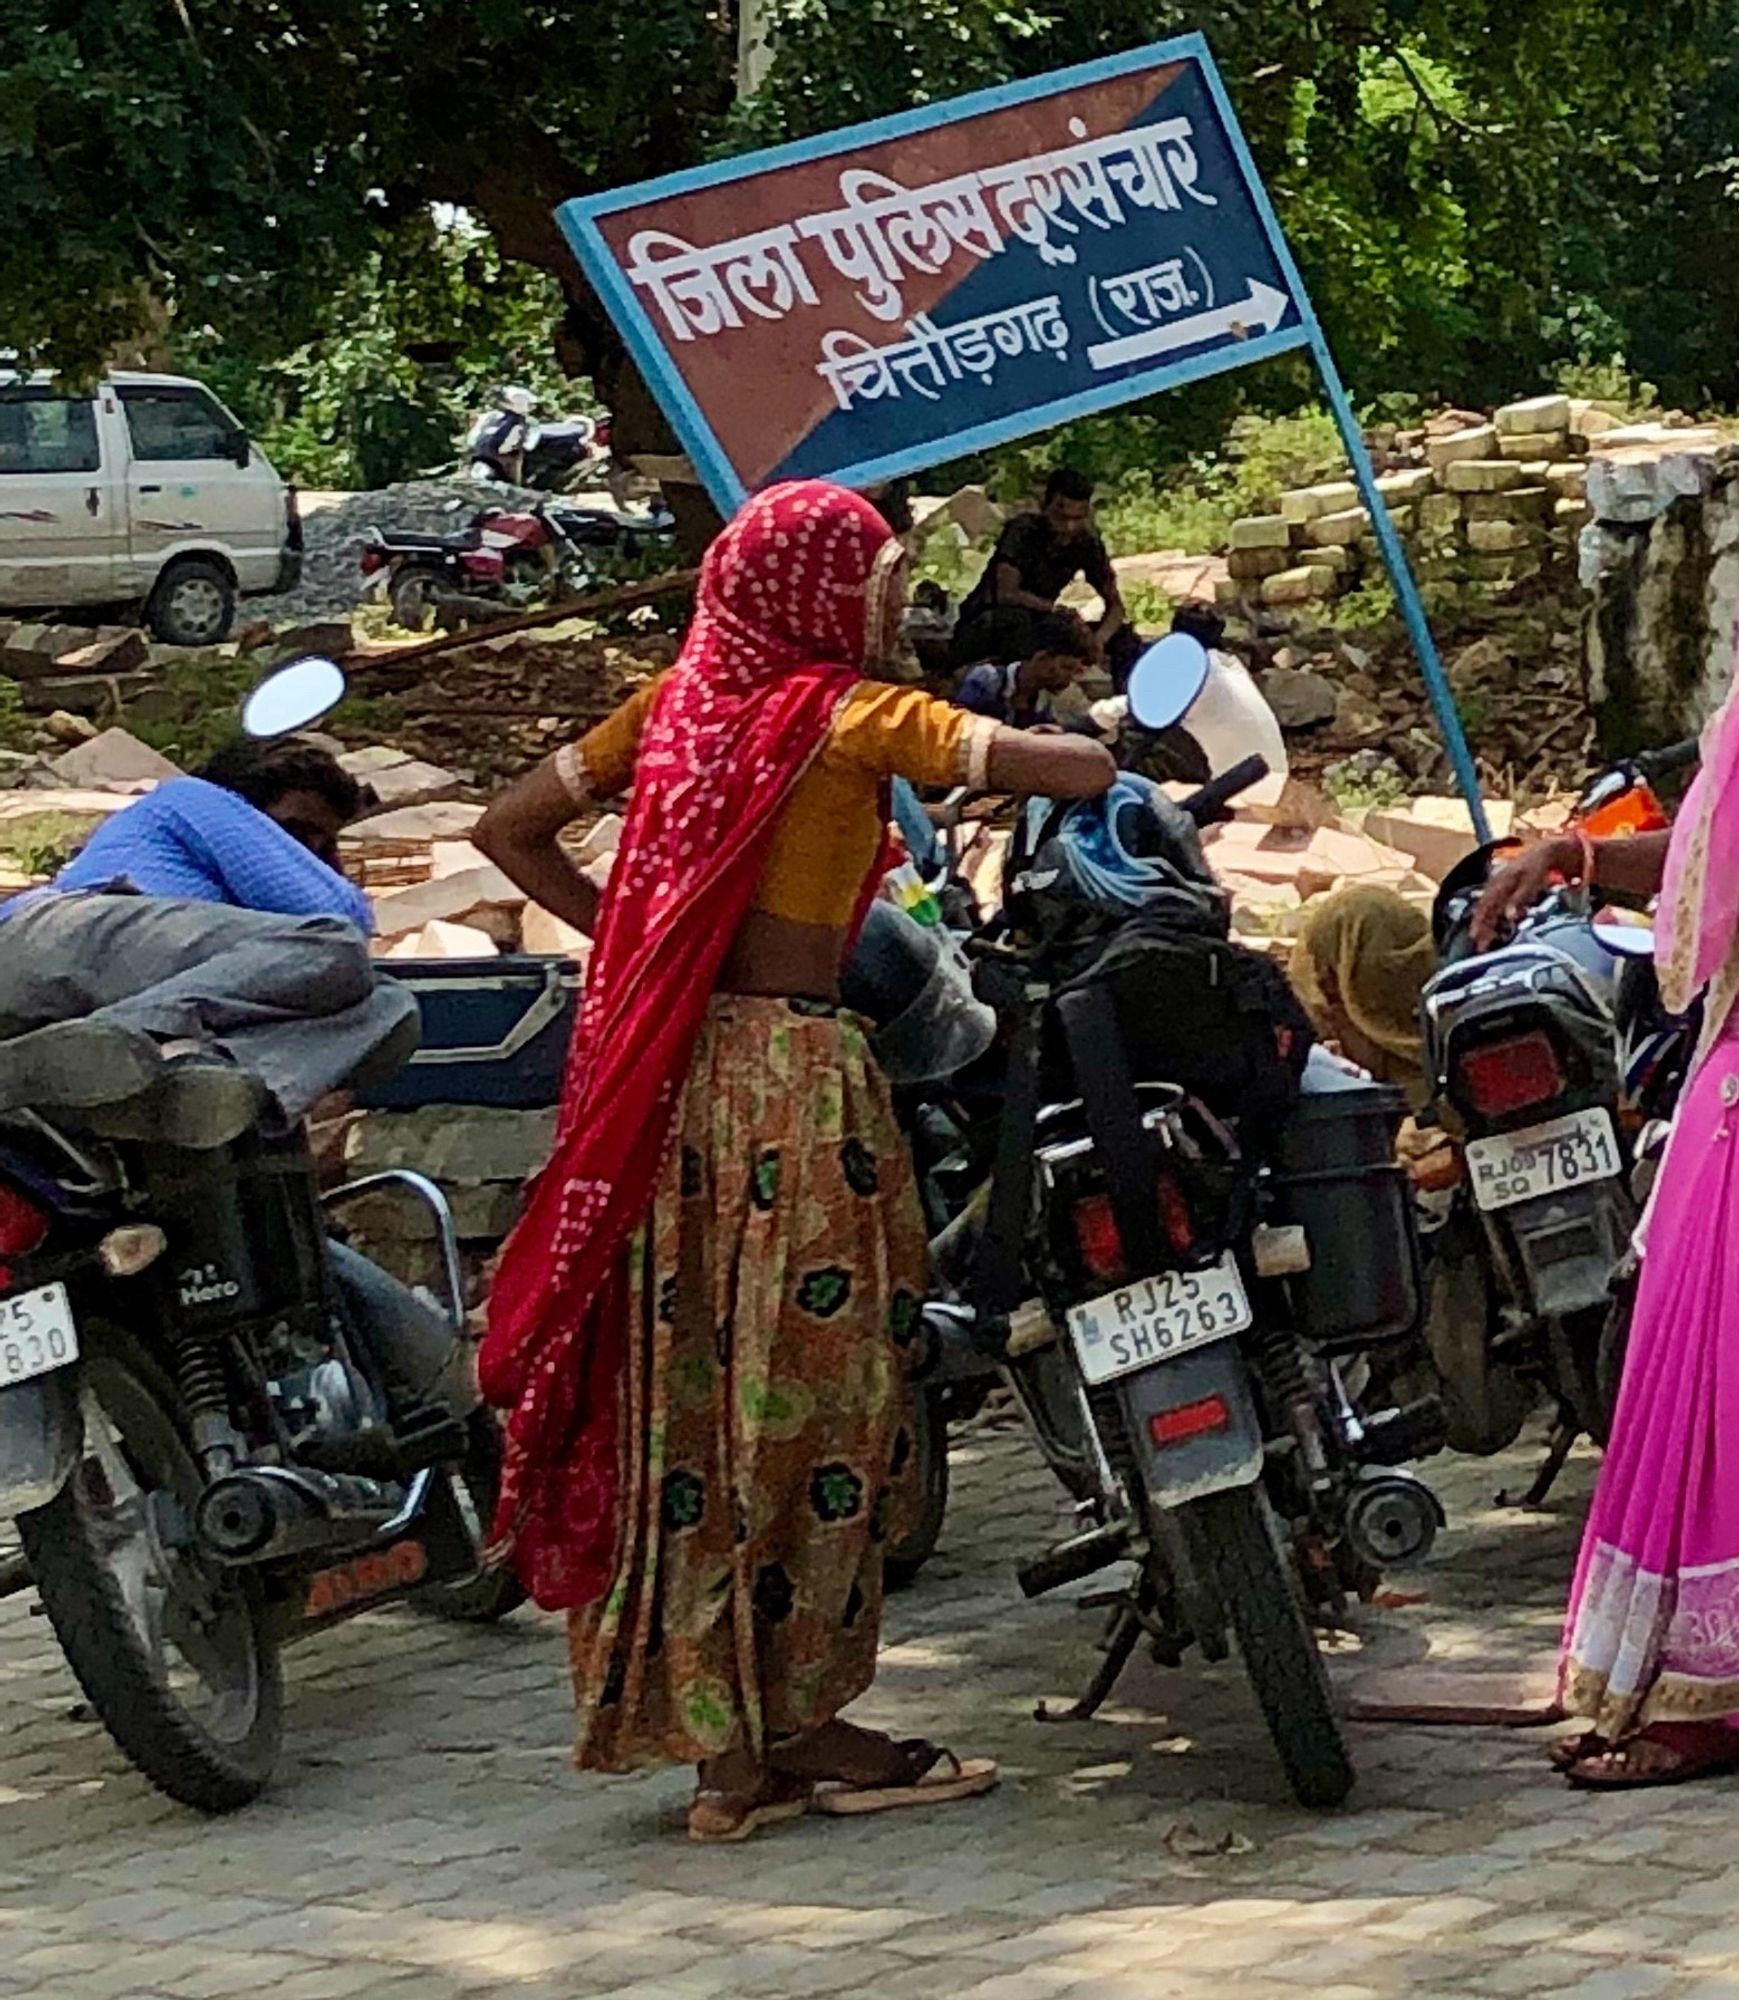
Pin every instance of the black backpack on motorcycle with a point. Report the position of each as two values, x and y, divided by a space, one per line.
1197 1010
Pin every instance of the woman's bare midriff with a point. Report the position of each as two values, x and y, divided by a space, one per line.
777 959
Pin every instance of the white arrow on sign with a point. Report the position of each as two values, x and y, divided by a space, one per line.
1260 312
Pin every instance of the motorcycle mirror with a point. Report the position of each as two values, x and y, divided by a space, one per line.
295 697
1165 681
1624 940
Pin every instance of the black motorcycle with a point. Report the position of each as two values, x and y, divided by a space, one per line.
1544 1055
1183 1257
222 1429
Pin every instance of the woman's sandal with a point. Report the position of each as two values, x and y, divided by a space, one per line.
1675 1754
719 1818
924 1782
1569 1751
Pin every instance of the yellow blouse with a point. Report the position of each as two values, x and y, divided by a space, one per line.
829 834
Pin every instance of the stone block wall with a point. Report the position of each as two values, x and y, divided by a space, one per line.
1473 501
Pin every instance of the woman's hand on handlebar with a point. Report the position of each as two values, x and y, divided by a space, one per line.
1516 886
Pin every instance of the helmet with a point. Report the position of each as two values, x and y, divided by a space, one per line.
1130 850
916 991
520 401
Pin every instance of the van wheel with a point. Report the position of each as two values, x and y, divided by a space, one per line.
193 604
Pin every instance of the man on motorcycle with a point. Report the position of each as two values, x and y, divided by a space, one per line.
202 948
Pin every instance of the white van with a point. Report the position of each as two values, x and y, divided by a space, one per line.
144 490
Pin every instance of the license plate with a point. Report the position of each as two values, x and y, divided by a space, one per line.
37 1334
1157 1319
1545 1159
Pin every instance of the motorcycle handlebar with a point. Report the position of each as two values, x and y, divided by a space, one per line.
1657 763
1214 796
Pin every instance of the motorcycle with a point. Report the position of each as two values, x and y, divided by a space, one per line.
514 559
221 1429
1528 1064
506 445
1183 1294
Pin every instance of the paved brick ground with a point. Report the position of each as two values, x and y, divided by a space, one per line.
427 1840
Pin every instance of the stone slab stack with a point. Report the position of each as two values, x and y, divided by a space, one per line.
1493 502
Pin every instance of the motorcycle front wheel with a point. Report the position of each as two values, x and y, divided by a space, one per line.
1238 1544
174 1652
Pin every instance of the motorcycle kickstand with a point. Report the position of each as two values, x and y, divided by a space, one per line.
1564 1435
1124 1637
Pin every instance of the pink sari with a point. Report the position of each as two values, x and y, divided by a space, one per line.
1652 1633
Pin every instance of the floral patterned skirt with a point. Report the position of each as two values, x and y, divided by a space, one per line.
774 1297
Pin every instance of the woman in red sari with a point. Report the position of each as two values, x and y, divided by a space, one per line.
700 1328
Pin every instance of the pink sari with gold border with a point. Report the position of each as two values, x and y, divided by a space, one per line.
1652 1633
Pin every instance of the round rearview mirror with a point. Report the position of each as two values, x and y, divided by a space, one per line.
1624 940
1165 681
295 697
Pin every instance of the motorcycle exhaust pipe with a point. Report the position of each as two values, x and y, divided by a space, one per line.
1392 1519
1069 1562
265 1513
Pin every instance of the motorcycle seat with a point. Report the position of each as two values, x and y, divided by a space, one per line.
466 538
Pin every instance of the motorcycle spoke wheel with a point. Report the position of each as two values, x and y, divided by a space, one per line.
173 1652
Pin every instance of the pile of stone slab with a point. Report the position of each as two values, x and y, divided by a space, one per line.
1487 502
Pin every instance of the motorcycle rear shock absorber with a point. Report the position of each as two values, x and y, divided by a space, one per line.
203 1379
1280 1362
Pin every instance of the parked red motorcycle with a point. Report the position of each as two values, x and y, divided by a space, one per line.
514 558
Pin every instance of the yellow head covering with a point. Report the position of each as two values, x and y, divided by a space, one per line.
1372 950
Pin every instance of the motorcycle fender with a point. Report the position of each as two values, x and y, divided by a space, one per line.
41 1435
1567 1245
1192 1424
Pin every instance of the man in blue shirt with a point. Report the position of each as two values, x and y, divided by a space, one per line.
202 947
1060 650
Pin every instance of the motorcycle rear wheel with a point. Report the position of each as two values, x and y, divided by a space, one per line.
174 1653
1237 1538
413 596
908 1556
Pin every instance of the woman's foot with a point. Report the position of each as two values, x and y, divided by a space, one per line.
737 1798
863 1771
1569 1751
1666 1753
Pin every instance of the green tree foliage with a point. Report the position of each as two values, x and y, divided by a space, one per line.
420 334
1480 191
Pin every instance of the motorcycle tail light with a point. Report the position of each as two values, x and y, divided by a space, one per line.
1175 1217
1189 1420
370 560
22 1224
1097 1235
1500 1077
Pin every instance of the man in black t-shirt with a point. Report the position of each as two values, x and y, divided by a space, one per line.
1037 557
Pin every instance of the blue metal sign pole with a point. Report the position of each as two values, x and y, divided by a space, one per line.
1406 590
